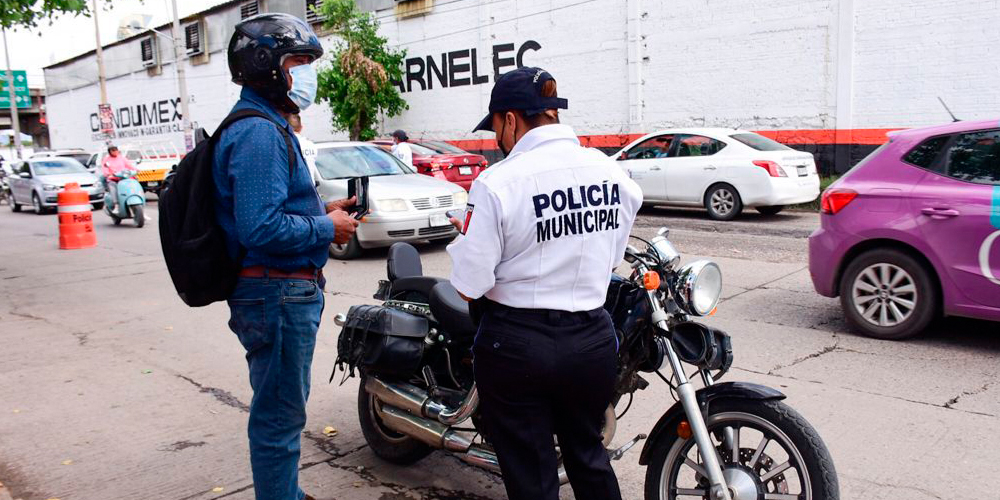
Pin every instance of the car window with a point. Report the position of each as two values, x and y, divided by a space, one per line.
421 150
697 145
80 157
654 147
444 147
25 168
356 161
975 157
57 166
924 154
759 142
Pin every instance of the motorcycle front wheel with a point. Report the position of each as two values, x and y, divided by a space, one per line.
138 216
767 451
386 443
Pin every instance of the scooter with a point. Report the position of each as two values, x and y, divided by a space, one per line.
131 200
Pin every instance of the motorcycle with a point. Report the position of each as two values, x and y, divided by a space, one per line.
131 200
5 194
724 441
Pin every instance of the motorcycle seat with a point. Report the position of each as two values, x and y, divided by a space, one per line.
403 262
451 311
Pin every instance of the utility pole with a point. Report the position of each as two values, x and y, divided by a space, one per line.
15 121
100 55
180 57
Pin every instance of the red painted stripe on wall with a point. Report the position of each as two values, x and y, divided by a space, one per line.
868 136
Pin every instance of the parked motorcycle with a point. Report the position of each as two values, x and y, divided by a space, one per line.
131 200
725 441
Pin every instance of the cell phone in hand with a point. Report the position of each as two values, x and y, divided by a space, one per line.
455 214
358 187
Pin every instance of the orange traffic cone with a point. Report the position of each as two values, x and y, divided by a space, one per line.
76 223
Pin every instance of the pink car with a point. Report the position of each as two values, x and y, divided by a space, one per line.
913 231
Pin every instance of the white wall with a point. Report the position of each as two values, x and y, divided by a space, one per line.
759 64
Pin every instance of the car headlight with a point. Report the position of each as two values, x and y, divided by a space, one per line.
50 187
460 198
698 287
391 205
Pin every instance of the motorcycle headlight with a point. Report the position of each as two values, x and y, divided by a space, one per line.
698 287
460 198
391 205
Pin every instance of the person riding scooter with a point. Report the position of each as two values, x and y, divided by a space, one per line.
113 164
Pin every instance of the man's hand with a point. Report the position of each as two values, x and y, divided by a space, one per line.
344 226
341 204
455 222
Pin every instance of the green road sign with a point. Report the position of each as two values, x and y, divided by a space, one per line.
20 90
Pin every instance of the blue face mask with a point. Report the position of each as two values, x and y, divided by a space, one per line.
304 85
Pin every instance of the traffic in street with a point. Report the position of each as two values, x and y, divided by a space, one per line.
112 388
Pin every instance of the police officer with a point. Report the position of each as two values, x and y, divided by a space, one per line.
543 231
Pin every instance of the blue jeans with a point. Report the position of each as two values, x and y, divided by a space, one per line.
276 321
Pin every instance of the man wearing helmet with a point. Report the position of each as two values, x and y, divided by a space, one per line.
278 228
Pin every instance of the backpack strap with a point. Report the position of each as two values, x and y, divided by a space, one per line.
238 115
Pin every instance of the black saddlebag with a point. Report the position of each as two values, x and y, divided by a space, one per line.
381 340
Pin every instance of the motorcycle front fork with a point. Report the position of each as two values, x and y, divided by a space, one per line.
686 392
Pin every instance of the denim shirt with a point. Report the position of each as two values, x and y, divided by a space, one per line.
279 219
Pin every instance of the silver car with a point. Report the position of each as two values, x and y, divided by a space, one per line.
37 181
405 206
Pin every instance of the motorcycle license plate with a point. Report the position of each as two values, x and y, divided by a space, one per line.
439 220
154 184
464 170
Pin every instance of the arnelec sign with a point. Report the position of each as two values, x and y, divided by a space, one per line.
459 68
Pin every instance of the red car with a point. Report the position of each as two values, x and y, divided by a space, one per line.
444 161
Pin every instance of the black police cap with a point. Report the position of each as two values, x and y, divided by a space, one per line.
521 90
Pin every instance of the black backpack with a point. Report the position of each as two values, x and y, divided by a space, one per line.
194 245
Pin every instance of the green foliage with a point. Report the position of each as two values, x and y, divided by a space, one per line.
357 83
27 13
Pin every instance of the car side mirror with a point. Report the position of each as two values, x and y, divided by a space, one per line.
622 156
25 175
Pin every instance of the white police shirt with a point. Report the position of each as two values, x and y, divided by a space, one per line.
404 153
545 227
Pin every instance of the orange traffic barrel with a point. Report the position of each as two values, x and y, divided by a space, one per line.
76 223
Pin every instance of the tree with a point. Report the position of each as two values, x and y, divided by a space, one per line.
358 83
27 13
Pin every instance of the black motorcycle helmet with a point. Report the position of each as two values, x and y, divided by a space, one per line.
259 45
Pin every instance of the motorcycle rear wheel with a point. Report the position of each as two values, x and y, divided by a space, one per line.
780 457
387 444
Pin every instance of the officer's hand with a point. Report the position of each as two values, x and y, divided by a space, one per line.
344 226
341 204
455 222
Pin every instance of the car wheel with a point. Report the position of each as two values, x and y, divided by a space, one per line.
99 205
348 251
771 210
723 202
888 294
36 202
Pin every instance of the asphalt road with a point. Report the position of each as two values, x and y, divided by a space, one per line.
111 388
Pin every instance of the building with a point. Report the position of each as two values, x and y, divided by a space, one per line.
827 76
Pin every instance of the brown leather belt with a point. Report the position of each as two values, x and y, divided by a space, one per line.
306 273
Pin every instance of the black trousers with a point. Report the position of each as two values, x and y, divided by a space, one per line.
542 373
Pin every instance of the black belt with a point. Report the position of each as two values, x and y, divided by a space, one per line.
544 315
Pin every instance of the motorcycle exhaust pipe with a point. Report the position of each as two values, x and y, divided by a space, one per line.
429 432
442 437
416 401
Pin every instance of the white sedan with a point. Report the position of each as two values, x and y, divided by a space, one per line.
724 170
404 205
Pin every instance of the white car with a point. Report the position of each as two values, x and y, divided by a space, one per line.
724 170
405 205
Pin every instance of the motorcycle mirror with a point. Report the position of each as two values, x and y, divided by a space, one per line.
663 232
